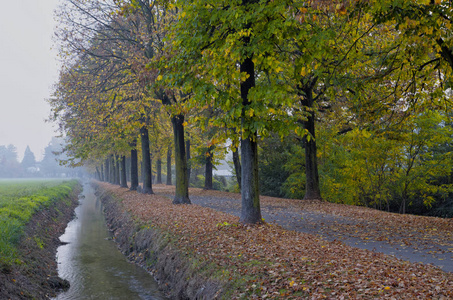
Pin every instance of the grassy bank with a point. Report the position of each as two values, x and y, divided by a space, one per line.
19 201
191 249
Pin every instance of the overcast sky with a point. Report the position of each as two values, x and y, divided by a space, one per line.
28 68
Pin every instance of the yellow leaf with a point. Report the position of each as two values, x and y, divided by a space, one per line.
291 283
159 78
387 288
303 71
184 124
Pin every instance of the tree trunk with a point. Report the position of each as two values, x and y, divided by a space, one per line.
169 165
251 212
142 174
117 170
102 173
188 159
107 170
134 166
123 172
98 174
112 169
128 169
208 173
159 171
146 170
237 166
182 182
312 190
151 167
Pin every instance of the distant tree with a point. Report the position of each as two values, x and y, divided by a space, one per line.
29 161
49 166
9 166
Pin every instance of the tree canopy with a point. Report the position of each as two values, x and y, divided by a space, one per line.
361 89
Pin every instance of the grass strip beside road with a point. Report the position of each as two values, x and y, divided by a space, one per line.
267 261
19 200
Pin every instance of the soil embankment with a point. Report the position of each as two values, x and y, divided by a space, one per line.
152 248
36 276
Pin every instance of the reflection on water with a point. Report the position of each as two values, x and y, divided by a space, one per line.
92 263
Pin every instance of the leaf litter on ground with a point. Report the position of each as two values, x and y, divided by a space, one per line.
267 261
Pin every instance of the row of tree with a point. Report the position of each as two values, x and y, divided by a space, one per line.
372 76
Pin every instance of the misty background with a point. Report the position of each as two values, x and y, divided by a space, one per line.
28 69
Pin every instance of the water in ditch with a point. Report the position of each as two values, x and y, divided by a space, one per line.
91 262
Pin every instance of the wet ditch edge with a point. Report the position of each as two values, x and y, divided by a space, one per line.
157 252
36 277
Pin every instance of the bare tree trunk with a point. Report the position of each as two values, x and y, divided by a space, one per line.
123 172
312 190
237 166
169 165
134 166
117 169
159 171
208 169
128 169
146 159
112 169
98 173
251 211
182 182
107 170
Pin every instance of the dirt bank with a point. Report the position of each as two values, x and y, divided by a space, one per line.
155 251
35 276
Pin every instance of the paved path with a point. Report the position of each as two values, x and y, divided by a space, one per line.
354 232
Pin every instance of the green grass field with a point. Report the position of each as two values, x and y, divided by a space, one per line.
19 200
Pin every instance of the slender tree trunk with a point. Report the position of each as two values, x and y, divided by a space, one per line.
98 173
147 184
102 173
169 165
208 169
182 182
251 212
107 170
312 190
112 169
123 172
188 159
117 170
142 174
159 171
128 169
151 168
134 166
237 166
